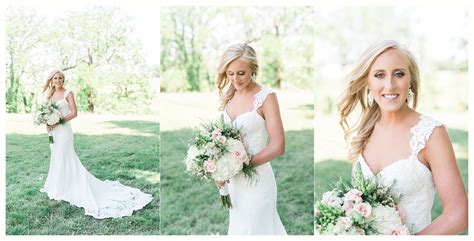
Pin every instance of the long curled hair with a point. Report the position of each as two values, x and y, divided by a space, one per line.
241 51
48 87
355 95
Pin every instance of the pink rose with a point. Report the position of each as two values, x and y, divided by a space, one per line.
221 139
216 133
239 155
363 209
402 230
348 205
353 195
210 166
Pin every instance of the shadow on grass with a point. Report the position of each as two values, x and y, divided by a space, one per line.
124 158
147 127
193 207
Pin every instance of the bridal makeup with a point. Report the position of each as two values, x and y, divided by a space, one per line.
389 80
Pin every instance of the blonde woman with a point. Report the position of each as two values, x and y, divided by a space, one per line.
403 147
254 109
68 179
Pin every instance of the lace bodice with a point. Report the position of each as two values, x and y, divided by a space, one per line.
251 123
63 104
410 178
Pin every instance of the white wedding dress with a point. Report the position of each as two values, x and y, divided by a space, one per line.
68 179
410 178
254 204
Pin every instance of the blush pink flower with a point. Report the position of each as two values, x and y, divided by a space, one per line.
363 209
353 195
401 230
216 133
209 166
221 139
241 156
348 206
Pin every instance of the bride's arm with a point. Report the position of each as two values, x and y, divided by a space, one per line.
440 156
72 107
276 134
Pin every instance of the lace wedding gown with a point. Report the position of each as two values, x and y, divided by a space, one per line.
254 204
410 178
69 180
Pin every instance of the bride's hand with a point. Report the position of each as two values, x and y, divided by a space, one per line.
221 184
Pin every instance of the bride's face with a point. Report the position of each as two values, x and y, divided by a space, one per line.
239 73
58 80
389 80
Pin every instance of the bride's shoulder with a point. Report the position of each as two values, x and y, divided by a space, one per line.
263 94
431 131
426 123
68 92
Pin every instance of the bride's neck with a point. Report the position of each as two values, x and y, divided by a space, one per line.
249 89
396 117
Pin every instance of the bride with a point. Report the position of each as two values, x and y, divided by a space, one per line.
69 180
254 109
391 140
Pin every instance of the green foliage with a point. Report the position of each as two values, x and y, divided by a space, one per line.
193 38
175 81
130 159
96 48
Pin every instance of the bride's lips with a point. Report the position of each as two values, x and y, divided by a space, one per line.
390 96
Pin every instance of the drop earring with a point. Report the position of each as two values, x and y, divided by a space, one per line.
254 77
370 98
410 95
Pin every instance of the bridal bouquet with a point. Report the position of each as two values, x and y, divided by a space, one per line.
363 207
48 113
217 153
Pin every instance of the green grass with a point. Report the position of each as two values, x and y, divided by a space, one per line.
192 207
131 159
328 171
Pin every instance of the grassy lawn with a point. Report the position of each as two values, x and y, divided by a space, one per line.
113 148
330 162
191 207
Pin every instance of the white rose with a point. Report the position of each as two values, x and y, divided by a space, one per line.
229 164
211 149
330 198
52 119
386 218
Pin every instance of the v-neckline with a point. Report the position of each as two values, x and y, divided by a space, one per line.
420 117
64 97
237 117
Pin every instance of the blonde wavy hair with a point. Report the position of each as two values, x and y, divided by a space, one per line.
355 95
48 87
241 51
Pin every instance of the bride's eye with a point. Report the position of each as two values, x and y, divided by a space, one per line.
379 75
399 74
241 73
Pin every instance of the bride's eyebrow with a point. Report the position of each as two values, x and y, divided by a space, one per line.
229 71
